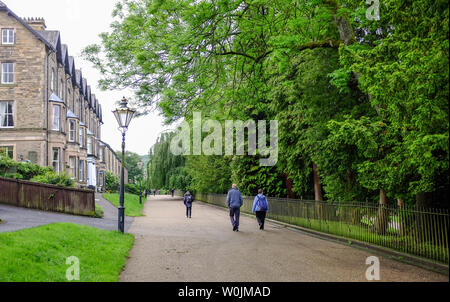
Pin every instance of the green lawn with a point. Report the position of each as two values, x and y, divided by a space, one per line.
39 254
132 206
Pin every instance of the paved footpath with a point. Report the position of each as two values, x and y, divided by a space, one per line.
171 248
16 218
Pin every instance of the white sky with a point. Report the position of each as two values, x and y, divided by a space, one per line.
80 22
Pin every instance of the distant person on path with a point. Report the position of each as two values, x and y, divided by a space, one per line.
154 192
188 199
159 192
173 191
260 207
235 202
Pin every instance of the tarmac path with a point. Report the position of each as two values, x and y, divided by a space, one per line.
172 248
17 218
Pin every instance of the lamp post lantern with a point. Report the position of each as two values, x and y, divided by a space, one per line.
123 116
140 164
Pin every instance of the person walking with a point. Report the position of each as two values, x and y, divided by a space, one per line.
173 191
260 207
188 199
235 202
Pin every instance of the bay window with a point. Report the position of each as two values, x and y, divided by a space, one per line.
56 160
56 118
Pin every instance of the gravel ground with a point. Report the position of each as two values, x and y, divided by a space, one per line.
171 248
15 218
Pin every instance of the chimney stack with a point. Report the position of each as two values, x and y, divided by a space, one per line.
36 23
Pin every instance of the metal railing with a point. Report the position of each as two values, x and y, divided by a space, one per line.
420 232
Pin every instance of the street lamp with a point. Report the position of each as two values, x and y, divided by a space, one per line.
140 164
123 116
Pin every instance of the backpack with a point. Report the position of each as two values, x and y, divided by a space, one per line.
189 199
262 205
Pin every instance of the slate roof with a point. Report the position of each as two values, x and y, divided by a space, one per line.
3 7
70 114
89 95
55 98
78 78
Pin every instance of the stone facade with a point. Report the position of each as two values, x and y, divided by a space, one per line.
48 113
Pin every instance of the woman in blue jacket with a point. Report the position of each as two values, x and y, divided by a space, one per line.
260 207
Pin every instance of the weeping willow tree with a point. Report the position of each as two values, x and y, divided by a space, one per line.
165 170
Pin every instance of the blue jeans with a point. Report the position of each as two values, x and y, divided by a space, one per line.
188 211
235 213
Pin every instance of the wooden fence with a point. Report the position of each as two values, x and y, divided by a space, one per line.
47 197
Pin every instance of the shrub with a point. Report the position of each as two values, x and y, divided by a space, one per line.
112 182
18 170
52 178
132 188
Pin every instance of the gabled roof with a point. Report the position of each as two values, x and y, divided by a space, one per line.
72 70
65 57
3 7
84 88
101 113
54 38
88 95
78 78
94 103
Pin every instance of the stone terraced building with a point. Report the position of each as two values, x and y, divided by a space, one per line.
49 115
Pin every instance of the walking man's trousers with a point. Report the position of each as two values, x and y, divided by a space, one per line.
235 213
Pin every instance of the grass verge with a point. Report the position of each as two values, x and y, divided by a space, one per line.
99 212
132 206
40 254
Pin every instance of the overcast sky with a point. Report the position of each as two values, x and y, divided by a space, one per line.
80 22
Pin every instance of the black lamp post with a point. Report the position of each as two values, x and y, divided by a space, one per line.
140 164
123 116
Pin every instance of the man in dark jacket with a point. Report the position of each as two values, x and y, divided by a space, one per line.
188 199
235 202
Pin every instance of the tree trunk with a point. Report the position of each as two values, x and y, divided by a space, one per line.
317 186
381 223
317 193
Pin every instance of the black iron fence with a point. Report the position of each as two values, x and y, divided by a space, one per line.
420 232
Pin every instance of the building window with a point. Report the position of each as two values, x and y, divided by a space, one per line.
81 137
72 130
6 114
7 73
7 150
33 157
56 160
56 119
81 170
89 145
72 163
61 91
8 36
101 154
52 81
